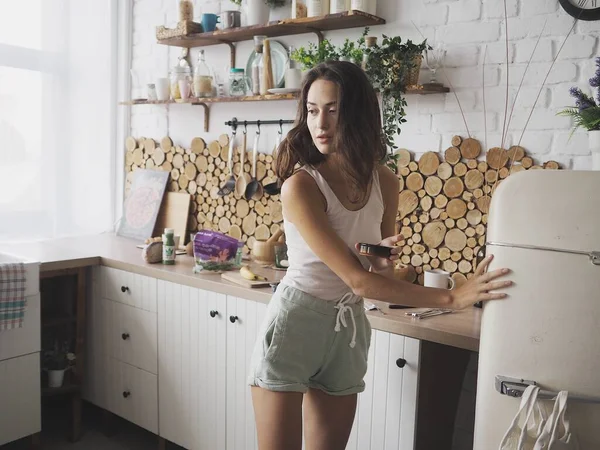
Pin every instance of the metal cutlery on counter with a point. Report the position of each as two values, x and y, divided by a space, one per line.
428 313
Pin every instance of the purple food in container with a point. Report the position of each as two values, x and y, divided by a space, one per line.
214 251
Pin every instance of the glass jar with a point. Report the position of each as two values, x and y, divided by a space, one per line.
257 64
237 82
181 71
186 10
203 79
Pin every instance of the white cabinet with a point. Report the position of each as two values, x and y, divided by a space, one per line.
205 343
122 362
386 412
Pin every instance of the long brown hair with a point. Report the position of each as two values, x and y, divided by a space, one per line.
358 138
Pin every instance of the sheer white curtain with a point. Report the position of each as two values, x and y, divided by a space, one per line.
58 113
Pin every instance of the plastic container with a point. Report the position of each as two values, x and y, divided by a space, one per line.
214 251
237 82
168 255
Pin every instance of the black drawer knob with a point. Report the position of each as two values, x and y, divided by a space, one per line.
125 336
214 313
233 319
124 288
126 394
401 362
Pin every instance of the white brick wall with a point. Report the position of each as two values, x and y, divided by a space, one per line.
466 26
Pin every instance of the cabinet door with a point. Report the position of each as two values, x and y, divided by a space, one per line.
20 406
98 337
386 412
191 347
129 288
243 321
133 337
133 394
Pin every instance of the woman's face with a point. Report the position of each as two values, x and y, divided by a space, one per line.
322 106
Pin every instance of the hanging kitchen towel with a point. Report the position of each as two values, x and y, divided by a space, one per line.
527 423
557 434
12 295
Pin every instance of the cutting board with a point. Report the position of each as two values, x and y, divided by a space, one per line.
235 277
173 213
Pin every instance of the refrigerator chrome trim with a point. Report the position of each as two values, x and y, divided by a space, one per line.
593 255
514 387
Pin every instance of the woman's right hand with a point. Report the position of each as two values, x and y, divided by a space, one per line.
477 288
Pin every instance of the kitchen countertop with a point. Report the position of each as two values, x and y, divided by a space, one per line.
460 329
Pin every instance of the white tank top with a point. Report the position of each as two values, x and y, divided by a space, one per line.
306 271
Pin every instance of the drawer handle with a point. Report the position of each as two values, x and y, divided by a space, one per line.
126 394
125 336
214 313
233 319
401 362
124 289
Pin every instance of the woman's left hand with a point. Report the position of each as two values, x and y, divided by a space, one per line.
379 264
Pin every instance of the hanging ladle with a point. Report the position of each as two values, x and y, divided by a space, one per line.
254 190
274 188
243 177
229 185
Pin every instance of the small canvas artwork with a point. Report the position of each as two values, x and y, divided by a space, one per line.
141 206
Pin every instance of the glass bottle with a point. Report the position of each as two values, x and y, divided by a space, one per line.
168 256
370 41
203 79
257 64
181 71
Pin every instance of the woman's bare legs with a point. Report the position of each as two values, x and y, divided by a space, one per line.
278 418
328 420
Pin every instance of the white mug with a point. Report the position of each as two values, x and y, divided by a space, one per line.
162 89
438 278
293 78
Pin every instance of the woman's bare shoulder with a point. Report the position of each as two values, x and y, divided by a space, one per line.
387 178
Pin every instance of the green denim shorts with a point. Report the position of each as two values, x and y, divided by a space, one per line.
305 342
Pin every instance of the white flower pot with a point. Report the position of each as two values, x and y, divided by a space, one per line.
257 12
55 378
594 143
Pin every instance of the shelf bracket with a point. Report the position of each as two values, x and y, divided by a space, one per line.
319 34
206 114
231 54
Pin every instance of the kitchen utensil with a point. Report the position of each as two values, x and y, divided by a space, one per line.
254 190
279 61
243 177
274 188
231 19
263 252
428 313
229 185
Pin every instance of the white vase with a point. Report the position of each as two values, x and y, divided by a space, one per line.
55 378
257 12
594 143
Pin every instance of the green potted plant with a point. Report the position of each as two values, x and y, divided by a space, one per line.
315 54
586 115
391 67
56 362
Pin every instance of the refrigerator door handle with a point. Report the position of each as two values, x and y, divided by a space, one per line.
593 255
514 387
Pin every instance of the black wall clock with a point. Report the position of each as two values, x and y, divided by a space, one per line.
582 9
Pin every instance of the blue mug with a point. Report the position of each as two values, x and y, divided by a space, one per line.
209 22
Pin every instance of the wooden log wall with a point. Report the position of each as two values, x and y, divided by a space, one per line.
443 200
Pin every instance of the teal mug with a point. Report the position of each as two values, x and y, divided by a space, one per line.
209 22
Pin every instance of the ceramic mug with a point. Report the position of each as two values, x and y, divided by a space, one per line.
438 278
231 19
209 22
162 89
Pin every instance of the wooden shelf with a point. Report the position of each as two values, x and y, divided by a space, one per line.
417 89
287 27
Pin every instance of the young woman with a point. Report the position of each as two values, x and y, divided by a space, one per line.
312 350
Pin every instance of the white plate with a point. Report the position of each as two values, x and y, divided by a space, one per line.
279 58
283 91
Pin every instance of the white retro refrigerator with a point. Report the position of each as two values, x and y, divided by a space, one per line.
545 226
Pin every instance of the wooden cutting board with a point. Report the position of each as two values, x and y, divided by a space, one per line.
235 277
173 213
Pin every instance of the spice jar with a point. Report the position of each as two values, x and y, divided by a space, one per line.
181 71
237 82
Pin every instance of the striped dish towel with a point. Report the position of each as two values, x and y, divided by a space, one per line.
12 295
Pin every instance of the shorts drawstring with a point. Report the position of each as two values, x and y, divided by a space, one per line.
342 307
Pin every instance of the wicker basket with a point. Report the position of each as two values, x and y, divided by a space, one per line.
412 76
